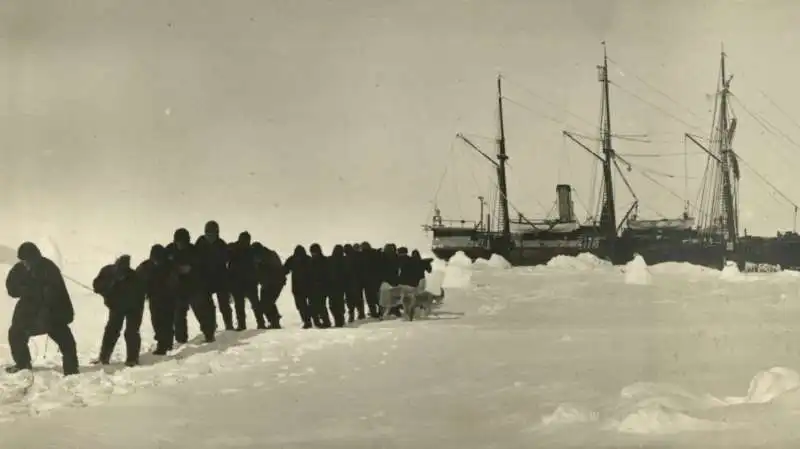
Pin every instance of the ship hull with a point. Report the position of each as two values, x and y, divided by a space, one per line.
687 246
783 250
530 248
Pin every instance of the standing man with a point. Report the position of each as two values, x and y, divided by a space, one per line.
272 279
123 293
213 256
190 291
160 282
44 307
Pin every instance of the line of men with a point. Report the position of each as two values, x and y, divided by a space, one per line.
182 276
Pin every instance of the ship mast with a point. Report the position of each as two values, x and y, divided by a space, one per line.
725 132
501 170
608 219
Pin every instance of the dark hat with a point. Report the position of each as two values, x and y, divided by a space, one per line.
181 235
158 252
28 251
212 227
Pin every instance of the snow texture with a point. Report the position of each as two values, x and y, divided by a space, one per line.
637 273
565 355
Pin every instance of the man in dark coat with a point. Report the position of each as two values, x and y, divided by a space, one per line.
389 267
337 284
369 268
244 281
44 307
354 295
160 282
272 279
123 293
299 265
190 290
319 287
412 272
213 256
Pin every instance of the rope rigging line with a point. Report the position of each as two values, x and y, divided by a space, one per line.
658 172
685 170
444 173
771 101
478 136
654 88
534 112
643 138
656 107
781 110
583 205
545 100
766 181
667 189
766 124
693 153
535 198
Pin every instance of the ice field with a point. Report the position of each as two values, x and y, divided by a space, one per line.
574 354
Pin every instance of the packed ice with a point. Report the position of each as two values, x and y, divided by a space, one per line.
569 354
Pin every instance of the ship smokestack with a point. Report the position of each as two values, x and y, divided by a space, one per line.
564 198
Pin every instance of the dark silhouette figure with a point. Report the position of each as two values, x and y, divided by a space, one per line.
44 307
337 284
320 287
413 270
299 265
368 267
389 266
190 290
244 281
160 283
213 257
354 295
123 293
272 279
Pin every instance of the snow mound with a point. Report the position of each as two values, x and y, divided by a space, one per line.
499 262
647 408
768 385
570 414
681 268
495 262
581 262
480 263
731 273
637 273
657 409
456 276
459 259
438 264
655 420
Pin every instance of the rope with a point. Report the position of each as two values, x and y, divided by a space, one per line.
537 113
653 88
656 107
545 100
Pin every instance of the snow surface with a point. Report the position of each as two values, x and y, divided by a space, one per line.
574 354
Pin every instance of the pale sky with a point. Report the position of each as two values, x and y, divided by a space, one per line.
308 121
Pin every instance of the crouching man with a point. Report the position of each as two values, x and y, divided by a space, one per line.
124 296
44 308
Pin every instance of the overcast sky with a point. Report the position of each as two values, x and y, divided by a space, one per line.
326 120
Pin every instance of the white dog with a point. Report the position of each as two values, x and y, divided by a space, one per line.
409 297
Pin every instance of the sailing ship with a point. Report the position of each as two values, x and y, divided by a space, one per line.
716 239
525 241
711 238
